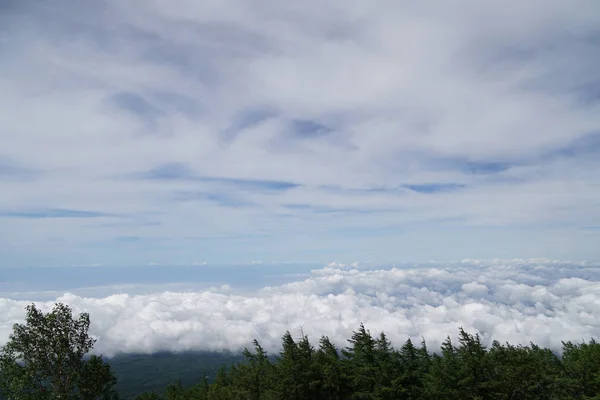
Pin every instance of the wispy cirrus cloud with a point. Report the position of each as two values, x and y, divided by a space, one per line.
480 116
52 213
12 171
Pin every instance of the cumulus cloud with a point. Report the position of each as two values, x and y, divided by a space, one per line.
519 301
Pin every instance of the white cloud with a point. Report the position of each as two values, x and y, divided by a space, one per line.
409 94
521 301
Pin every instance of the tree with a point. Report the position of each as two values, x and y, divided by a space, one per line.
45 359
472 369
297 374
360 364
221 389
148 396
288 367
442 380
387 368
414 364
327 360
309 374
256 376
582 365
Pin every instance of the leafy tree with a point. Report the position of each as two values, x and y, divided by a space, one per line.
582 366
45 359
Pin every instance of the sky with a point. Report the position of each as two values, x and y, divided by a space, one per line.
181 132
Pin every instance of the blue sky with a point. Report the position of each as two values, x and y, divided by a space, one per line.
184 132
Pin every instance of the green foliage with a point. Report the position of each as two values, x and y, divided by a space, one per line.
370 368
327 363
45 359
582 368
255 378
149 396
414 363
360 364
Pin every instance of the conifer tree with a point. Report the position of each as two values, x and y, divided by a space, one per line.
327 360
360 364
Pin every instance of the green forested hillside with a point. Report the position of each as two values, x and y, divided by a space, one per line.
137 373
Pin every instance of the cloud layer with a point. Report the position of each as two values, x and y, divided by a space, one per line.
520 301
146 131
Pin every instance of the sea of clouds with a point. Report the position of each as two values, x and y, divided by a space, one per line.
519 301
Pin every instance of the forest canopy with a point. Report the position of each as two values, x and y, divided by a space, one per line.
370 367
45 359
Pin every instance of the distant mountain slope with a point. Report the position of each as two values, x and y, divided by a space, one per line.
137 373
